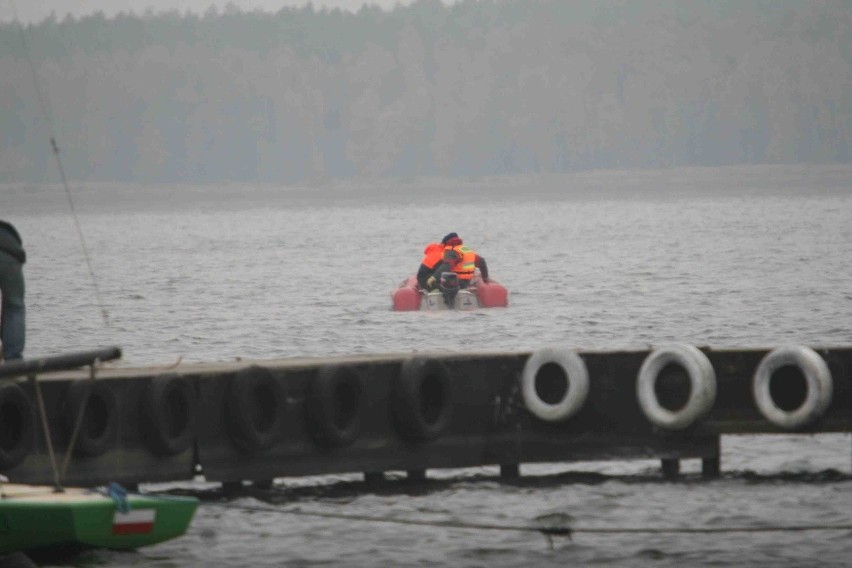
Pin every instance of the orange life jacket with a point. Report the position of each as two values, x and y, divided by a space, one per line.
467 265
433 253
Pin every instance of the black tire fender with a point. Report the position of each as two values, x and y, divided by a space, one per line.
335 404
169 412
99 423
422 399
17 425
254 409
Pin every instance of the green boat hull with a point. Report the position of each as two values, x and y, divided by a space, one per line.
88 519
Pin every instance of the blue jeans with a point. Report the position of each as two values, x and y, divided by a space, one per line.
13 326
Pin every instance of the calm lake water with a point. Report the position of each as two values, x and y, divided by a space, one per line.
735 257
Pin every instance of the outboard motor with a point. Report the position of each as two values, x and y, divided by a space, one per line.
449 285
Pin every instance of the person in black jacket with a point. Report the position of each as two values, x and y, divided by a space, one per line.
13 316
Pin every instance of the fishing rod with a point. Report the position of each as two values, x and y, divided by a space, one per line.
55 149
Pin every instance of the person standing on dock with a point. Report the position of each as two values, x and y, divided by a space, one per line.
13 315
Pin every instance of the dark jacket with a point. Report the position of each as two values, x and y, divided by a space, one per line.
423 274
11 243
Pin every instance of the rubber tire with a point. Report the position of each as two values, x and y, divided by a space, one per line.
99 426
330 423
254 409
576 391
409 401
169 413
702 380
16 443
817 377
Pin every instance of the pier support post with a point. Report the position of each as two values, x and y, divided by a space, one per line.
373 478
671 468
710 467
510 471
416 474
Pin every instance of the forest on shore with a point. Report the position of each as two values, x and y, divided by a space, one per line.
473 88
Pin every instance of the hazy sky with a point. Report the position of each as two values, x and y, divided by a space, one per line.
37 10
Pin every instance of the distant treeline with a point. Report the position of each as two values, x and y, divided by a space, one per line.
473 88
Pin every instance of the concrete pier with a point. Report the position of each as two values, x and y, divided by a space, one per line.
260 420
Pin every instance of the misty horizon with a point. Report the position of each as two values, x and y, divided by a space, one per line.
428 89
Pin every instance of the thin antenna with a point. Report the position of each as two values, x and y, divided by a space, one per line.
79 232
55 148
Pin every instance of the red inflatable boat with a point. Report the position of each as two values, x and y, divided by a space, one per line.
408 297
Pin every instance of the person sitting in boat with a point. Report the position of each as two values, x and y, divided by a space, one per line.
432 256
13 319
461 260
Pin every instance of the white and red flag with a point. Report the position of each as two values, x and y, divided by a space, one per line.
136 521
